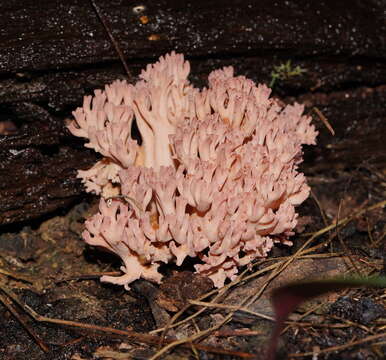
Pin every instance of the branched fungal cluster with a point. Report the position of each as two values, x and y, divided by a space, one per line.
215 177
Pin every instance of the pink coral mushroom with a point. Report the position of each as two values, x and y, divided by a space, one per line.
214 178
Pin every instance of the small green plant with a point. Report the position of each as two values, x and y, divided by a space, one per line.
285 71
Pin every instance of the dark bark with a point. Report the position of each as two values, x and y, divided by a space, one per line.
54 52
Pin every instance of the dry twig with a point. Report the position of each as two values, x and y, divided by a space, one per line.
8 304
324 120
112 39
342 347
145 338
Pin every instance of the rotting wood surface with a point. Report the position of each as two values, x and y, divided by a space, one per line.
52 53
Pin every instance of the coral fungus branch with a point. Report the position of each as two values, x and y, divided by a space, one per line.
215 177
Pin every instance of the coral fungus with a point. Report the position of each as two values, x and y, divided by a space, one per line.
214 176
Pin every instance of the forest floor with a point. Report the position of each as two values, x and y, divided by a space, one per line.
52 304
47 271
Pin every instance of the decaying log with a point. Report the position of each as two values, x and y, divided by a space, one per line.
52 53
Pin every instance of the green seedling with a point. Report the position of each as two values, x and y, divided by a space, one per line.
285 71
